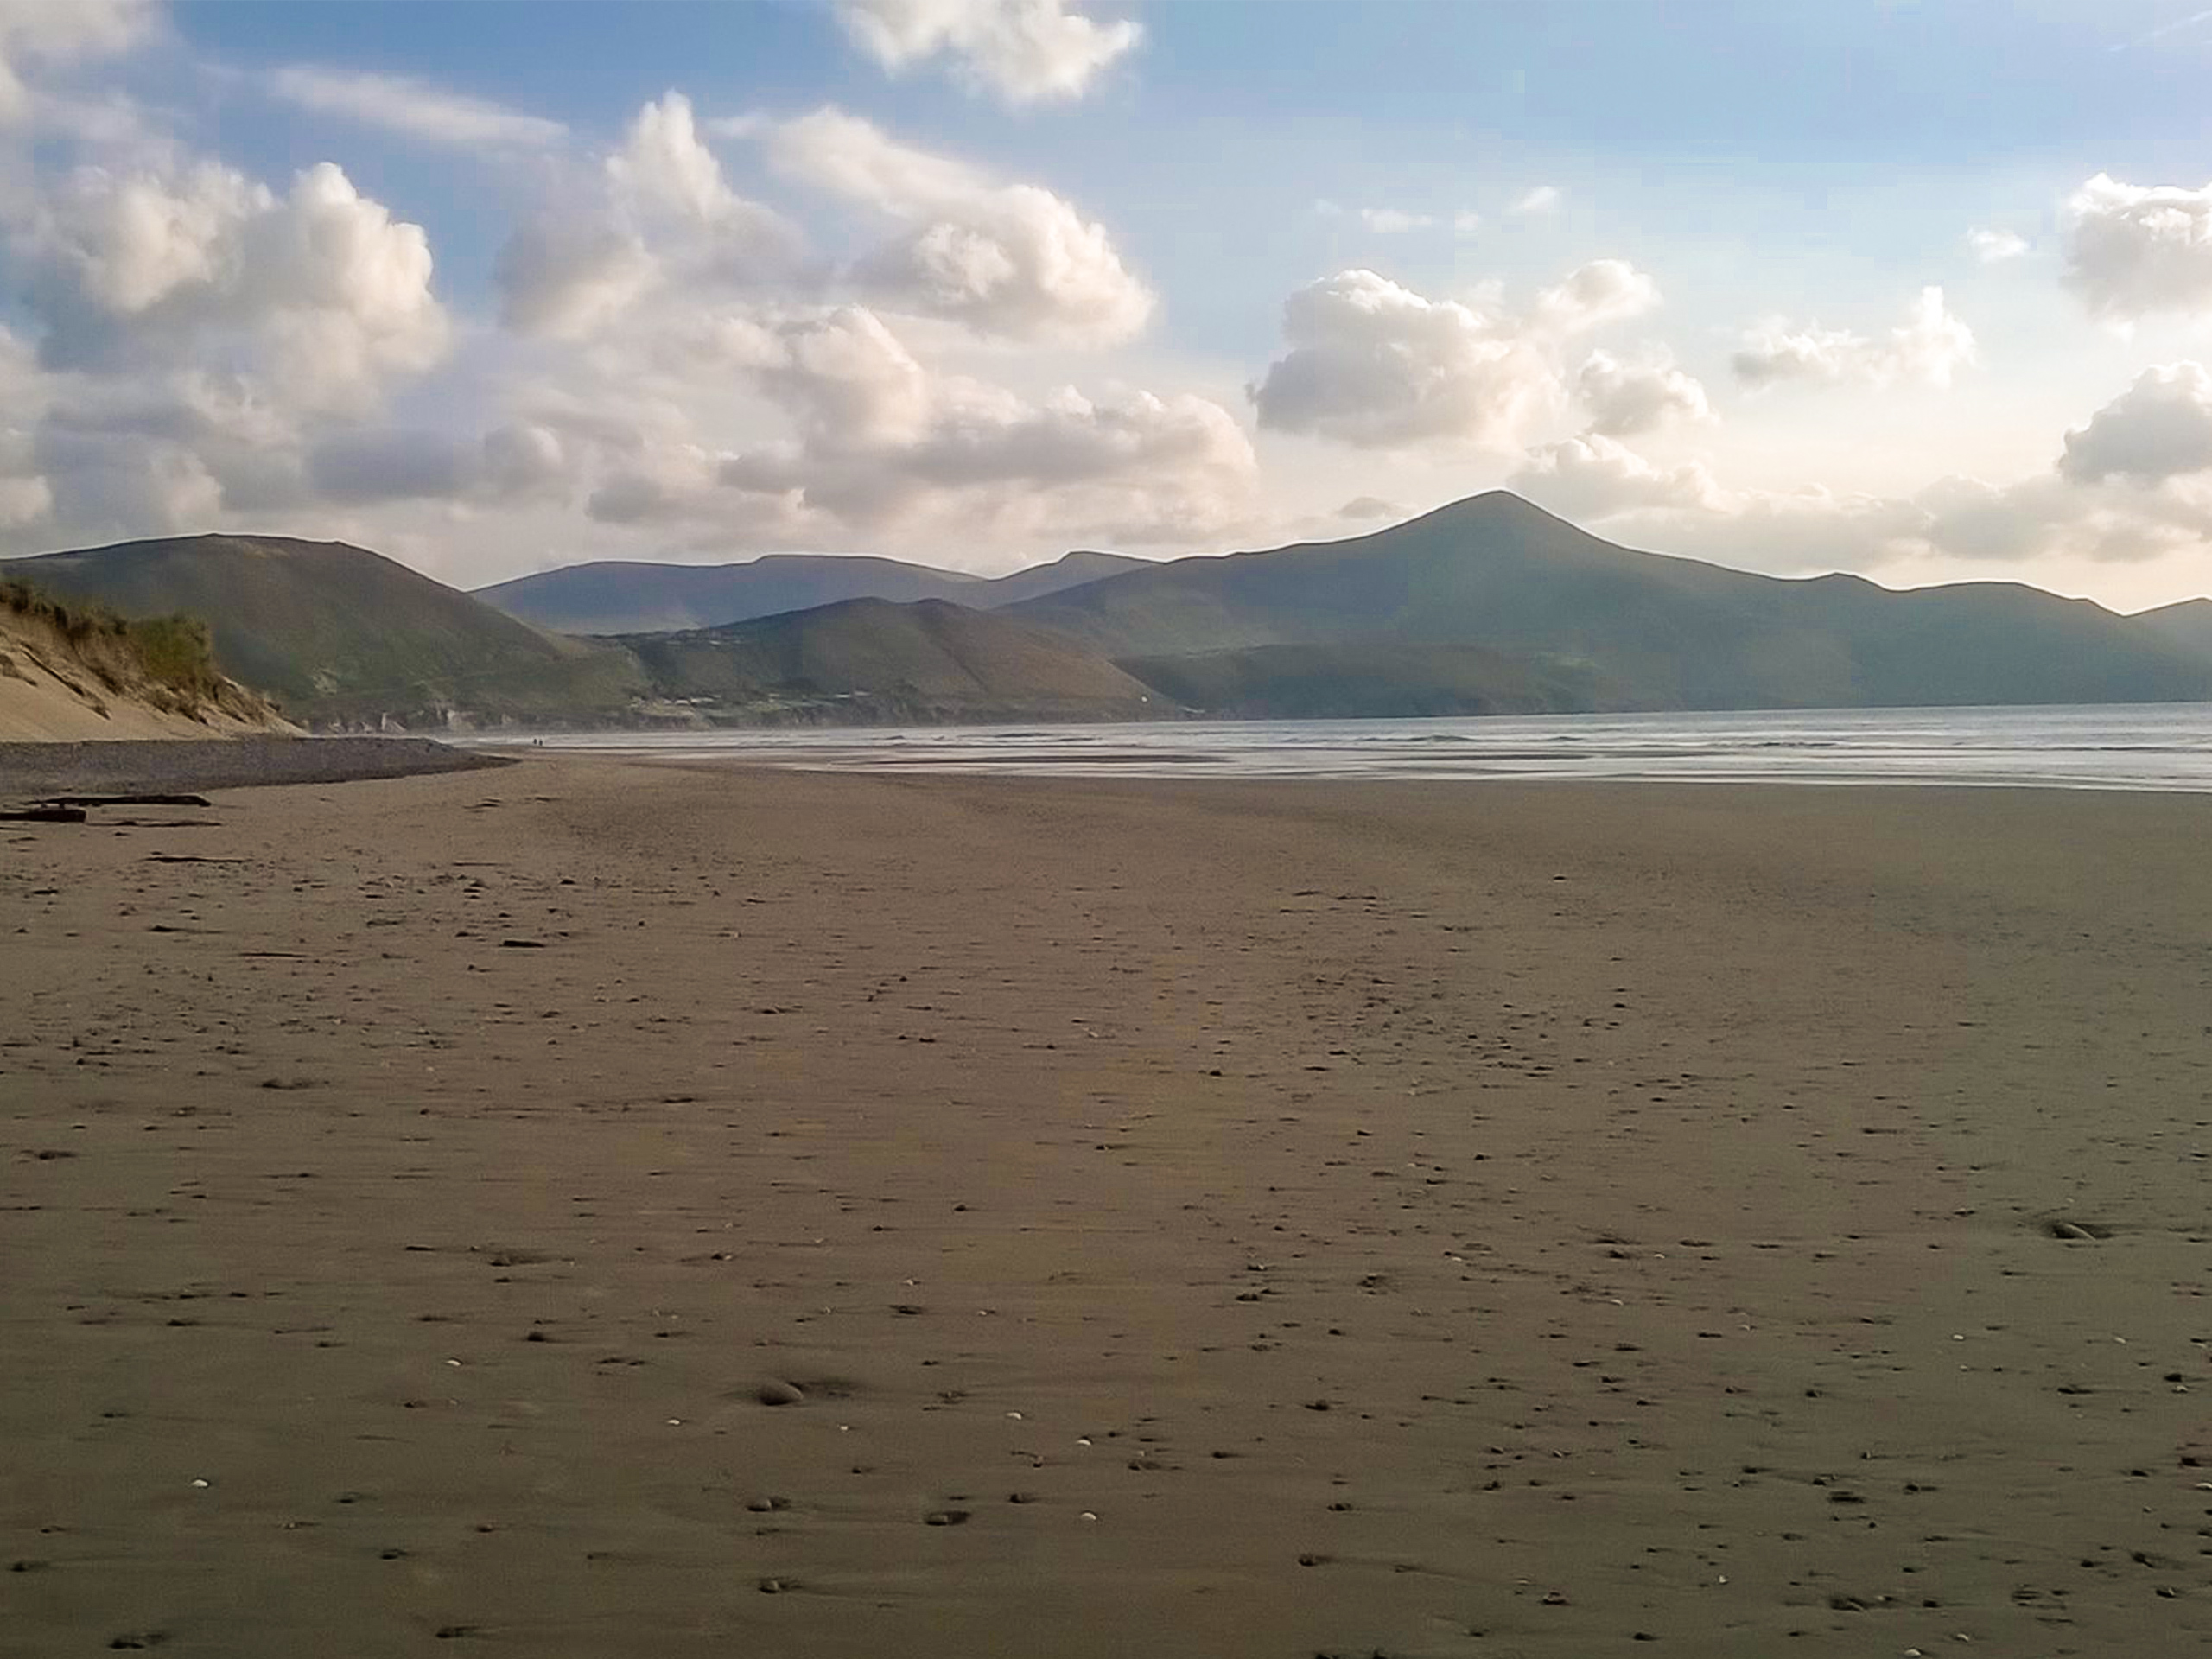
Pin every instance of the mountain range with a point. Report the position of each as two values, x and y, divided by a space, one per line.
1487 606
614 596
1649 631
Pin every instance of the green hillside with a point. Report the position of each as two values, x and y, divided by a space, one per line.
342 636
869 660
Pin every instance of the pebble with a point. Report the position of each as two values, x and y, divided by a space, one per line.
780 1393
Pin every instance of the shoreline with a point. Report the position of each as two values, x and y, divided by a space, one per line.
710 765
2148 747
1218 1219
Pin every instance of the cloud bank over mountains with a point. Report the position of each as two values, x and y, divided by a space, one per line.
731 331
1929 346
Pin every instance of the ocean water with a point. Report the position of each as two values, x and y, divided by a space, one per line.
2134 746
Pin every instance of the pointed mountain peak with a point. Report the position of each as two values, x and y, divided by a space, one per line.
1494 507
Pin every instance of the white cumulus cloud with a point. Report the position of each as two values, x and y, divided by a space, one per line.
2159 428
664 166
809 408
881 442
1927 348
1013 260
2135 250
874 427
1642 394
658 211
190 331
360 465
560 278
44 34
1023 51
1376 365
126 486
1593 295
846 379
761 423
320 292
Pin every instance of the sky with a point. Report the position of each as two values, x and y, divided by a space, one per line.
1920 291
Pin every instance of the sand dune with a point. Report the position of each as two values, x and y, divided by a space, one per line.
41 707
56 688
1206 1219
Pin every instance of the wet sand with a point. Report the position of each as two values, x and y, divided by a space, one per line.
1194 1218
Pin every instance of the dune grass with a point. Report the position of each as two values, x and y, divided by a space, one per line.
175 653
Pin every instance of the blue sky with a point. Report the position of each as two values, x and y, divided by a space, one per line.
1917 291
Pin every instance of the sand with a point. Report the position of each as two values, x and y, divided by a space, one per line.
56 689
38 707
1194 1220
28 771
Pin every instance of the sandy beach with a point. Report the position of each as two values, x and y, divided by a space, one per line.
600 1208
